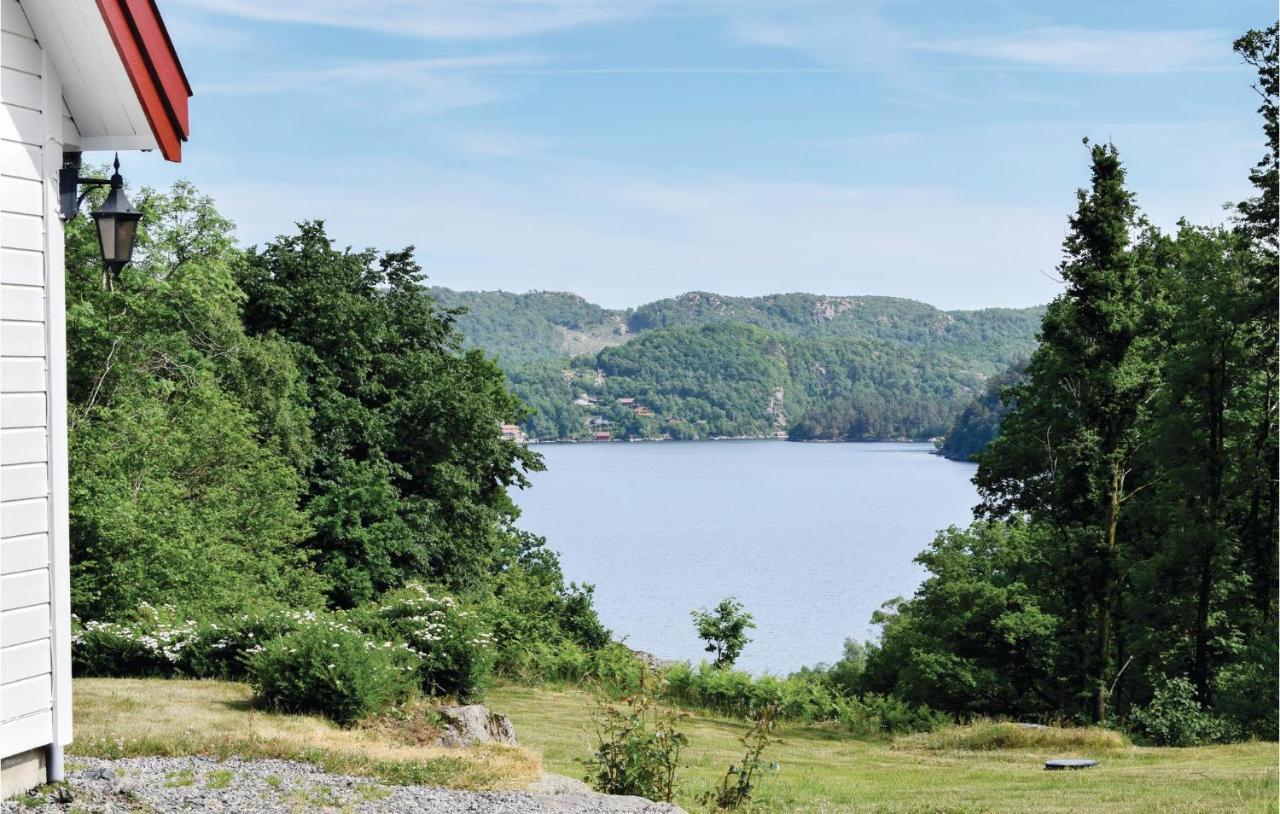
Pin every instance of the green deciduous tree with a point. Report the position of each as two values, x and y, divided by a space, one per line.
181 426
410 474
724 629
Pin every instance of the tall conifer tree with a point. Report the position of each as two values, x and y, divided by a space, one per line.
1067 452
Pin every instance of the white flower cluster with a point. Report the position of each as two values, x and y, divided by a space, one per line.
430 616
158 639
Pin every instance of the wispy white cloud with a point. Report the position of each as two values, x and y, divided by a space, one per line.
1096 50
323 79
836 32
434 19
420 86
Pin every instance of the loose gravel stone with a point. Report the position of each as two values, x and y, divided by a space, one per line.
235 786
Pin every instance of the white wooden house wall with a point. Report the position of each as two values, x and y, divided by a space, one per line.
35 641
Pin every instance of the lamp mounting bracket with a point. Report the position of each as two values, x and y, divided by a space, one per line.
70 181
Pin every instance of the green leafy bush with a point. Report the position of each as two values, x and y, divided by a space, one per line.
1175 718
454 650
1245 692
334 669
638 747
801 697
532 610
222 648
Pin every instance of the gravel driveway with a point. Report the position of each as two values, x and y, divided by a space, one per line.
278 786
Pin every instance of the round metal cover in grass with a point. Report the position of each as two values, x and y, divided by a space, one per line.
1069 763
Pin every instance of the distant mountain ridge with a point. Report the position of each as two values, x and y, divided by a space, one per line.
813 367
534 325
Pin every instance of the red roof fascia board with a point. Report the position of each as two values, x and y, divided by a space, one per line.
153 69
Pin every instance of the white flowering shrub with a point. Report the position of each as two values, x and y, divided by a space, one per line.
155 642
331 667
160 641
454 649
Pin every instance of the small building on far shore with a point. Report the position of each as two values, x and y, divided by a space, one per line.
512 432
602 436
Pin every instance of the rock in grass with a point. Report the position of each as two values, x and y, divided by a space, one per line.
469 724
1069 763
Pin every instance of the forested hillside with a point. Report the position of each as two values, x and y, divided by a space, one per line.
523 328
979 424
704 365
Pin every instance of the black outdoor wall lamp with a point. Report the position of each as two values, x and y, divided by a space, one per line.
117 220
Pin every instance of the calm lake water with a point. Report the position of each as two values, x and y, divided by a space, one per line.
812 538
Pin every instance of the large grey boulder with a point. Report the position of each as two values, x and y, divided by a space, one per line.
470 724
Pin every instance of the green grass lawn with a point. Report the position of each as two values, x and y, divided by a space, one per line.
824 771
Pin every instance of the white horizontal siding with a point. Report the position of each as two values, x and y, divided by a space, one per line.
28 553
24 517
21 339
24 625
21 52
26 696
22 375
21 124
20 88
21 303
30 732
24 446
19 160
34 625
24 482
24 589
24 661
22 411
22 196
21 267
18 230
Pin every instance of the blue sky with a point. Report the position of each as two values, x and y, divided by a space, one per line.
634 149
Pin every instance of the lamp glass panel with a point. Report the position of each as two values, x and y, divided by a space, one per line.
107 237
126 230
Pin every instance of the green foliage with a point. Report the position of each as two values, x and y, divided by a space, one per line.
290 427
1242 691
331 668
1260 216
180 426
979 424
823 368
974 639
638 747
742 779
1175 718
453 647
730 379
531 610
410 475
1128 568
805 696
525 328
724 629
846 674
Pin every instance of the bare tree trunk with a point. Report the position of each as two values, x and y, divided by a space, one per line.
1209 545
1106 596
